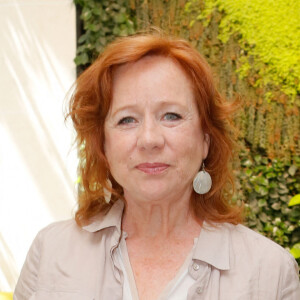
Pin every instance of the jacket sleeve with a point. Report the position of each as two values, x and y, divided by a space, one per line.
290 280
27 282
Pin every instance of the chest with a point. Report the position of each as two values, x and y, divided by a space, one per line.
156 269
151 278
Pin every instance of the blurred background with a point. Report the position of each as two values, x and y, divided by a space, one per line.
253 47
37 163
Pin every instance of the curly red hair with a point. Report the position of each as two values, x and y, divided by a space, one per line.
90 104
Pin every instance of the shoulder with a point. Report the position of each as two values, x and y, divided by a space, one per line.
64 237
246 241
255 242
243 246
62 258
56 232
58 239
43 245
60 228
57 226
265 259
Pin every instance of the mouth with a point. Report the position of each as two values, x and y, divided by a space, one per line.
152 168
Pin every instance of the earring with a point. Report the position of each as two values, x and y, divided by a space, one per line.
107 193
202 182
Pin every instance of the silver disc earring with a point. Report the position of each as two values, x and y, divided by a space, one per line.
202 182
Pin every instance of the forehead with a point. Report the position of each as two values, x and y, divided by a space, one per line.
152 77
148 63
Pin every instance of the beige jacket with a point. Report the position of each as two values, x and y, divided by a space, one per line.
66 262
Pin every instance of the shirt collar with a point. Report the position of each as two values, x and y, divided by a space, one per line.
112 218
213 245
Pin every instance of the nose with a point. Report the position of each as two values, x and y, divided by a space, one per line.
150 135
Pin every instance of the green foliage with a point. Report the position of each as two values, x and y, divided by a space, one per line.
269 34
260 41
295 251
266 187
102 21
295 200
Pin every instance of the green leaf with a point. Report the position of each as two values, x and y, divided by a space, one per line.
268 227
279 232
115 6
191 23
295 200
81 59
263 191
247 163
86 15
262 181
123 32
262 202
276 206
97 11
120 18
257 188
283 191
94 27
257 158
248 172
274 195
102 40
116 31
292 170
295 251
82 39
282 186
273 185
104 17
284 198
271 175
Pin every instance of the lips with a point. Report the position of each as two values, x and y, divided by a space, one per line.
152 168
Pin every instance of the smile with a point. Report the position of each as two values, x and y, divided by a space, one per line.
152 168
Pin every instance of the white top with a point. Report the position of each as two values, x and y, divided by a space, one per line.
175 290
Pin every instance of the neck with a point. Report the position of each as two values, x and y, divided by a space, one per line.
160 219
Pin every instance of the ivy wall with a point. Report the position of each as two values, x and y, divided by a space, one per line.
254 50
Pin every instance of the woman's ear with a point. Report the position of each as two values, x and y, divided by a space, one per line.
206 143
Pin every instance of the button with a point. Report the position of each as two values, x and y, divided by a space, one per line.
199 290
196 267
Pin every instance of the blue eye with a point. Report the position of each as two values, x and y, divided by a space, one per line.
126 120
172 117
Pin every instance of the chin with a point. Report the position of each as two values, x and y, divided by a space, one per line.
154 194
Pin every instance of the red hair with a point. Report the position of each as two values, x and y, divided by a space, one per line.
90 104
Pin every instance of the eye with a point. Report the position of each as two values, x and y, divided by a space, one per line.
172 117
126 120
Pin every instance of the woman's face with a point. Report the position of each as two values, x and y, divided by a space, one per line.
154 143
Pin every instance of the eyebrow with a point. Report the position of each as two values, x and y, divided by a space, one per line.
160 103
125 107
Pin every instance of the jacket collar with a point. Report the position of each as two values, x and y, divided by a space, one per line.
112 218
212 247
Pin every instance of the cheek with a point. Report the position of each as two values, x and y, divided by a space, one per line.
114 152
118 147
188 148
188 141
109 147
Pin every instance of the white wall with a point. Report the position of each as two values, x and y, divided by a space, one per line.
37 166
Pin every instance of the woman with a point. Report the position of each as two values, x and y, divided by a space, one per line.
154 218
